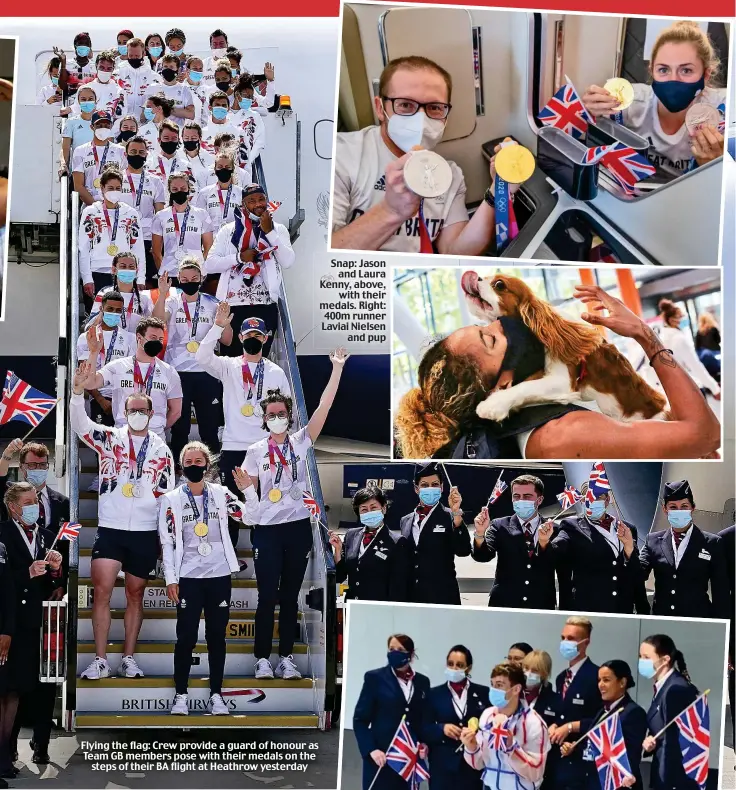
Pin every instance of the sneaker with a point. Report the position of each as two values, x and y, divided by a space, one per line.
264 669
95 484
98 669
287 669
219 708
180 707
129 668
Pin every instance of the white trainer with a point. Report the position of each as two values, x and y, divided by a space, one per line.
180 707
129 668
98 669
264 670
219 708
287 669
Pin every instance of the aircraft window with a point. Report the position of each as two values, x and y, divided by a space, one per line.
323 138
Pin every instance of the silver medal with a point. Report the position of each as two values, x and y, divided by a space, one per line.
700 115
204 549
427 174
180 253
295 492
138 490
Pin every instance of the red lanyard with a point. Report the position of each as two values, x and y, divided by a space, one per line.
161 167
274 448
192 331
138 376
112 232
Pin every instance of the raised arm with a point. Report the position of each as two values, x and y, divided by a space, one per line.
338 357
92 434
94 343
164 287
205 354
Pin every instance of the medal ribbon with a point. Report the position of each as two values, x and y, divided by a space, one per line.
108 355
193 504
226 204
251 231
283 463
192 324
506 225
100 163
161 167
138 376
618 117
425 240
249 381
139 459
113 231
183 232
137 192
129 311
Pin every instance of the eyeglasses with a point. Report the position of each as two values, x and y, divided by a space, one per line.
281 415
144 412
436 110
42 465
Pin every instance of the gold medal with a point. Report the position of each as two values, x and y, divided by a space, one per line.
112 249
97 183
515 164
247 410
274 495
201 529
128 489
192 346
622 90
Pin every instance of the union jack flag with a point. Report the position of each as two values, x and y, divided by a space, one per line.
23 402
310 503
625 165
694 726
597 482
569 497
403 757
607 742
498 737
593 155
565 111
273 205
69 531
498 489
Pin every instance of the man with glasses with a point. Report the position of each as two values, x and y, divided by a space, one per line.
373 209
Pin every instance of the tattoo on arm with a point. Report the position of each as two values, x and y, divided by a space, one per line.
653 345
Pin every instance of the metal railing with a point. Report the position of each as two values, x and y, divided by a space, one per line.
60 457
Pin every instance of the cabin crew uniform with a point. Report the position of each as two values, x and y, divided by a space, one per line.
179 93
360 183
672 694
162 384
383 700
189 322
525 574
128 525
136 85
89 159
377 564
282 539
251 290
138 304
602 578
187 240
7 627
727 540
142 191
435 542
451 703
219 203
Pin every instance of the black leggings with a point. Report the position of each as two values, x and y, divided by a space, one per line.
281 554
229 459
205 392
194 596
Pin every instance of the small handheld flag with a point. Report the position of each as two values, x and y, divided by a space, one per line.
23 402
566 111
609 750
273 205
498 489
694 726
624 164
569 497
403 757
310 503
69 531
597 482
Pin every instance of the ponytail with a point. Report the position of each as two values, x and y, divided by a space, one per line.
664 645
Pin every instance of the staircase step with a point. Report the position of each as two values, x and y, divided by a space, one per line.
89 529
286 719
85 561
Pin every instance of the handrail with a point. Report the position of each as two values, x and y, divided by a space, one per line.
60 458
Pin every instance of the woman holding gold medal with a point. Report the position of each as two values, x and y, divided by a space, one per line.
678 113
283 538
198 558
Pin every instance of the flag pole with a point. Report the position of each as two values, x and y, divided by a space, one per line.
605 718
380 767
494 487
695 701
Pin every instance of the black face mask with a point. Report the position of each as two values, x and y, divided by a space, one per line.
191 145
190 288
153 347
136 63
126 135
252 345
524 353
136 161
168 74
223 86
194 473
169 147
223 174
180 198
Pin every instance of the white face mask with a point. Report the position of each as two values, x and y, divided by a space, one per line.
410 130
278 425
137 421
103 134
104 76
113 195
219 53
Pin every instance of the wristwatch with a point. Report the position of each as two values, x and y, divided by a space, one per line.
489 198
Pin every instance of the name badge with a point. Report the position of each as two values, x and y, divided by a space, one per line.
438 529
578 701
549 713
704 555
381 555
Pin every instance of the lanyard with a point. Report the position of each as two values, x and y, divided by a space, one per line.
183 231
138 376
192 324
460 703
111 348
113 231
249 381
129 311
193 504
140 458
100 164
273 448
226 204
250 231
162 168
139 192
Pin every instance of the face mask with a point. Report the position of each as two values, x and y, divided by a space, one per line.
410 130
245 104
196 76
190 288
113 195
148 113
252 345
223 86
398 659
155 52
568 649
136 63
104 76
83 51
153 347
595 510
111 319
372 519
37 477
54 80
532 679
169 146
123 49
223 174
137 421
180 198
219 53
126 275
254 217
191 145
679 519
219 113
647 668
126 135
136 161
103 134
278 425
524 510
675 95
170 51
454 675
194 473
497 698
86 106
429 496
168 74
29 514
234 72
684 323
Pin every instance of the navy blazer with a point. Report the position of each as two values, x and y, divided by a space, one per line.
433 578
600 581
683 591
381 573
447 767
521 581
674 696
377 716
549 705
727 537
7 595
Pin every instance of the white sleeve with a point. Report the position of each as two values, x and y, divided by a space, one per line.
285 387
139 249
222 255
78 160
159 193
199 201
530 757
285 252
259 138
157 228
205 354
84 252
175 390
166 536
92 434
687 357
458 211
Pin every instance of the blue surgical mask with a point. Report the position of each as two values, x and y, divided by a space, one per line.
372 519
37 477
111 319
196 76
497 697
148 113
595 510
245 104
680 519
568 649
155 52
234 72
54 80
533 679
83 51
123 49
86 106
454 675
524 509
30 514
398 658
429 496
126 275
676 95
647 668
684 323
219 113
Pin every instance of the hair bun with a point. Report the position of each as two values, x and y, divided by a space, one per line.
276 391
421 431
